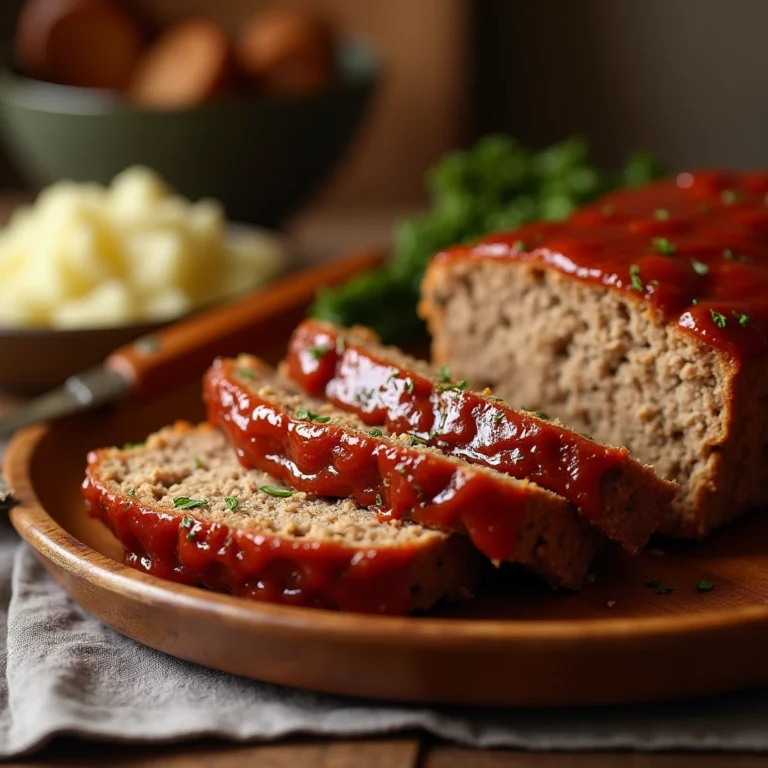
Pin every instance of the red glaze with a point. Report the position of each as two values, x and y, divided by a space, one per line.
253 565
718 225
478 428
330 460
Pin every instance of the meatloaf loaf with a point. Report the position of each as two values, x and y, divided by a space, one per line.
185 509
310 445
621 498
642 320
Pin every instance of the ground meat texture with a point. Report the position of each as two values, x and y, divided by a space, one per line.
185 509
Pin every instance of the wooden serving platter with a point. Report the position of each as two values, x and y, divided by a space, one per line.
516 643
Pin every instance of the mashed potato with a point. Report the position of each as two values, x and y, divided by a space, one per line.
84 256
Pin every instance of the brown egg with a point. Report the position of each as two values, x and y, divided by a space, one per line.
88 43
187 65
286 52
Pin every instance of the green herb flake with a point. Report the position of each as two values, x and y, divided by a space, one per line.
392 376
719 319
416 440
664 246
132 492
306 415
232 502
191 535
742 318
432 435
699 267
608 210
409 386
519 245
246 373
445 374
318 353
658 588
281 493
728 253
379 500
661 214
498 418
186 522
729 196
635 279
199 463
184 502
542 415
705 585
375 433
129 446
341 345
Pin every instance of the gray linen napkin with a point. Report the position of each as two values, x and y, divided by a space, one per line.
67 673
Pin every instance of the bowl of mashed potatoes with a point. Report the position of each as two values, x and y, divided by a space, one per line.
87 268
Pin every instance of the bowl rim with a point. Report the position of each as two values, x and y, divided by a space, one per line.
359 65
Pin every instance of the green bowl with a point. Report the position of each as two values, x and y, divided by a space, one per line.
261 157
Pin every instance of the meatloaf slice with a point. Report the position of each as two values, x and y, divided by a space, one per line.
620 497
312 446
186 510
643 320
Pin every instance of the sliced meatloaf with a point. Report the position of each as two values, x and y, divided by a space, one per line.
642 320
310 445
620 497
185 509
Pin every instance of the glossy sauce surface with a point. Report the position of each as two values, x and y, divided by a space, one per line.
257 566
403 481
475 427
695 247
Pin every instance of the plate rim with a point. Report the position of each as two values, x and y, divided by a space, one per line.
35 525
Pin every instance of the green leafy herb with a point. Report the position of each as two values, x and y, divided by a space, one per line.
232 502
409 386
199 463
318 353
132 492
742 318
635 279
496 185
416 440
184 502
540 415
375 432
664 246
719 319
271 490
432 435
307 415
128 446
445 374
661 214
458 386
519 245
658 588
246 373
729 196
498 418
379 500
705 585
728 253
699 267
186 522
341 345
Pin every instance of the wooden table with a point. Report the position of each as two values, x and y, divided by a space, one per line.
324 234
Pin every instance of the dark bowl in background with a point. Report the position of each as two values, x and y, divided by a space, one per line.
262 157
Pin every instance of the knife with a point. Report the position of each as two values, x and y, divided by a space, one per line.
154 364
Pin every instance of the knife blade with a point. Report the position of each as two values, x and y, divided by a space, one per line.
155 363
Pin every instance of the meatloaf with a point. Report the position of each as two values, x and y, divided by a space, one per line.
622 499
642 320
185 509
312 446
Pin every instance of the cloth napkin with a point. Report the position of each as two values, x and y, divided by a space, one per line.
67 673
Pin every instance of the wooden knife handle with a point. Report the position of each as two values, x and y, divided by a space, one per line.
258 323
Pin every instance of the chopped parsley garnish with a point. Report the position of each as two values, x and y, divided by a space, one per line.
400 470
719 319
375 433
699 267
232 502
635 279
186 522
664 246
132 492
432 435
245 373
281 493
318 353
128 446
520 246
728 253
459 386
392 376
409 386
661 214
199 463
379 500
307 415
742 318
184 502
498 418
445 374
705 585
608 210
541 415
341 345
656 586
443 419
729 196
364 396
416 440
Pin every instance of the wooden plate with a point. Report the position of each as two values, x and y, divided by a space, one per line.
517 643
